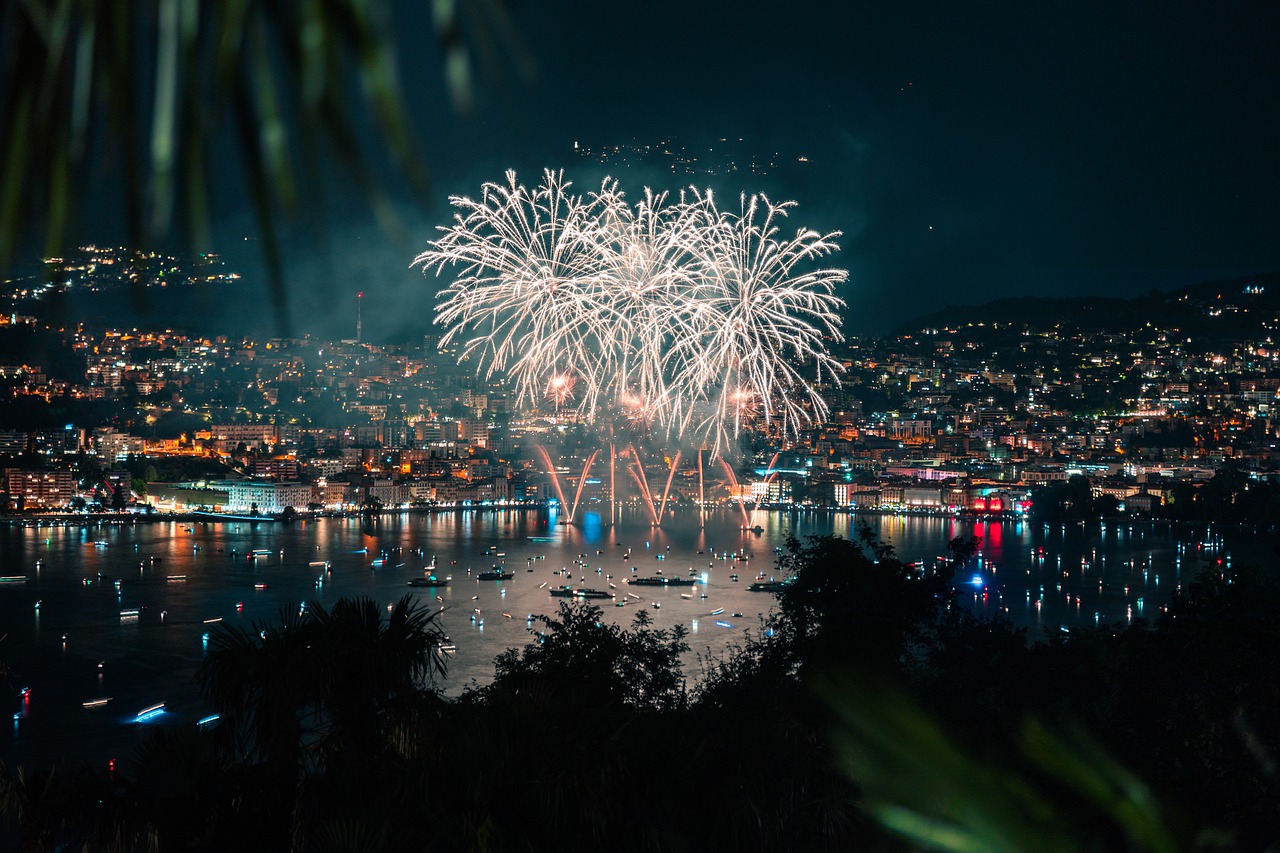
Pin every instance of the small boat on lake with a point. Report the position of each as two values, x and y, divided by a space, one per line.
495 574
432 580
662 580
579 592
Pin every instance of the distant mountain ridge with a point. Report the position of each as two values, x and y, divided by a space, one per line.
1242 307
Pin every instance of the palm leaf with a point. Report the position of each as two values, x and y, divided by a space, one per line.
919 784
141 89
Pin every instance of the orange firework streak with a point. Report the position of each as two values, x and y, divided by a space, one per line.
644 484
702 499
675 463
551 469
737 489
577 495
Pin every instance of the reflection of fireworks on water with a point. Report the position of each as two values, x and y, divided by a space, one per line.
679 314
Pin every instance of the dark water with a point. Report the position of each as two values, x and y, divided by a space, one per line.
68 642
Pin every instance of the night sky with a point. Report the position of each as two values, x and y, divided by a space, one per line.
967 150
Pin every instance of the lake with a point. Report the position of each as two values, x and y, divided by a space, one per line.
121 611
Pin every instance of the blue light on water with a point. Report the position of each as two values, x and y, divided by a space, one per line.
977 580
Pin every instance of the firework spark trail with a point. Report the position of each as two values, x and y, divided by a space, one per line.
696 319
757 314
613 490
647 272
644 483
527 263
577 495
737 490
635 478
675 463
551 469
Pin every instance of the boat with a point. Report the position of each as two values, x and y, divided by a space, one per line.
579 592
767 586
495 575
757 529
663 580
429 581
542 539
149 713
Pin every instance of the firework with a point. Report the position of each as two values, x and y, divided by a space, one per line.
697 320
759 318
528 261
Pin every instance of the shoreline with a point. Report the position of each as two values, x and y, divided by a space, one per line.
80 519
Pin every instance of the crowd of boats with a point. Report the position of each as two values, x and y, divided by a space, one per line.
432 578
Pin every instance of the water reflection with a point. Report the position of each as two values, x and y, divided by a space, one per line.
182 577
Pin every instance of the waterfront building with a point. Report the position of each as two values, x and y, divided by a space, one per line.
185 497
30 489
265 497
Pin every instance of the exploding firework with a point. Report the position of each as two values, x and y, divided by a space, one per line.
699 321
560 388
528 277
756 321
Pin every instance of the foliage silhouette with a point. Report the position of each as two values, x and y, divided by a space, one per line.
868 712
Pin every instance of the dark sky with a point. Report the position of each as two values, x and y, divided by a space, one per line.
966 150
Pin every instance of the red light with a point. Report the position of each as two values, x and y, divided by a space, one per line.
980 504
995 504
